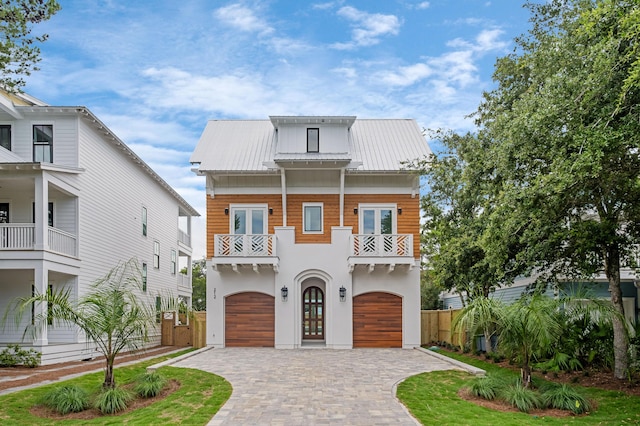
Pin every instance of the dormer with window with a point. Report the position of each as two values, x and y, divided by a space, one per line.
318 139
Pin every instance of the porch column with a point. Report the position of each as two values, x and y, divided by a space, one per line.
40 286
283 184
41 210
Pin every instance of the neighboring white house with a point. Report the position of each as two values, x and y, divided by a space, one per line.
74 202
313 231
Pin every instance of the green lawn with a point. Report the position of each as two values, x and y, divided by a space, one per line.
432 398
200 396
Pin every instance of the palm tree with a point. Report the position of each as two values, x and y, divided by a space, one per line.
114 314
482 314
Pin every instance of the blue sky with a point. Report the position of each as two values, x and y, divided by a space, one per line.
155 71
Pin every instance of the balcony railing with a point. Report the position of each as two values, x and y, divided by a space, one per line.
16 236
184 281
62 242
383 245
184 238
241 245
21 236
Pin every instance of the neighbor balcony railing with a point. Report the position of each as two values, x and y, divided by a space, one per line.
21 236
184 281
16 236
382 245
243 245
184 238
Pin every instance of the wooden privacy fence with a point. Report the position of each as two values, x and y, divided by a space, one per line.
190 330
437 326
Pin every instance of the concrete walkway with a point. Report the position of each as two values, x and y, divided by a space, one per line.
314 386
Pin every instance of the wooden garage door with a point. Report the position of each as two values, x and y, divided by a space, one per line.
377 321
249 320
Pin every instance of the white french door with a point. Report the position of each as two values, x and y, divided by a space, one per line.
380 223
249 223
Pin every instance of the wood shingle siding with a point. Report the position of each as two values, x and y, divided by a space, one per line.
250 320
377 320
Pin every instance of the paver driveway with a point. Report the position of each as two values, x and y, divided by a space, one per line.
313 386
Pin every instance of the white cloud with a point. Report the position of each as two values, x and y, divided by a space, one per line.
327 5
368 27
406 76
243 18
423 5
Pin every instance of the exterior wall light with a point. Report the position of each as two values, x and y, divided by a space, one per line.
399 210
355 211
284 291
343 294
226 212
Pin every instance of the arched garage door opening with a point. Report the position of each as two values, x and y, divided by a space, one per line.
249 320
377 320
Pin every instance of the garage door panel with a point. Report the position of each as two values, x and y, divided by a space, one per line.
377 320
250 320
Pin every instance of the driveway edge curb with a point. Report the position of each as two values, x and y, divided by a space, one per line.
154 367
479 372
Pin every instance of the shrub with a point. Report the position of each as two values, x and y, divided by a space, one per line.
487 387
522 398
149 385
112 400
565 397
12 355
66 399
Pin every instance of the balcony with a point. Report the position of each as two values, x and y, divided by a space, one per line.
184 282
382 249
237 249
21 236
184 238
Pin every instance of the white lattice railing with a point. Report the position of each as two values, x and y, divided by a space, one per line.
62 242
16 236
245 245
382 245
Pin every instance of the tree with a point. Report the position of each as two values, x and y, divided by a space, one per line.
456 209
199 285
429 292
482 314
561 133
113 314
18 52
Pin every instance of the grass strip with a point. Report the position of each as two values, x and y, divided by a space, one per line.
199 398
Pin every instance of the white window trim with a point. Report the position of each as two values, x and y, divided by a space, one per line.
173 262
144 220
12 141
156 243
233 207
321 205
392 207
53 142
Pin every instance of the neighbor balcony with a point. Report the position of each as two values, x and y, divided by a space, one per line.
21 236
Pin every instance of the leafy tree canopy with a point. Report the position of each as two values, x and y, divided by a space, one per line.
19 53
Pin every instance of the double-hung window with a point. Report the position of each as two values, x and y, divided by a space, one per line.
156 254
144 221
174 260
312 216
43 143
5 136
313 140
144 277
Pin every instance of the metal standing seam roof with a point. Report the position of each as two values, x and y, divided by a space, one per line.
246 145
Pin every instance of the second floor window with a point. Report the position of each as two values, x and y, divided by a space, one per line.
172 266
313 140
5 136
156 254
312 217
144 221
43 143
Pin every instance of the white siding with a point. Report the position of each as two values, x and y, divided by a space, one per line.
293 138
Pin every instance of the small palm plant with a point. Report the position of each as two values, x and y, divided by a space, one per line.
115 314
